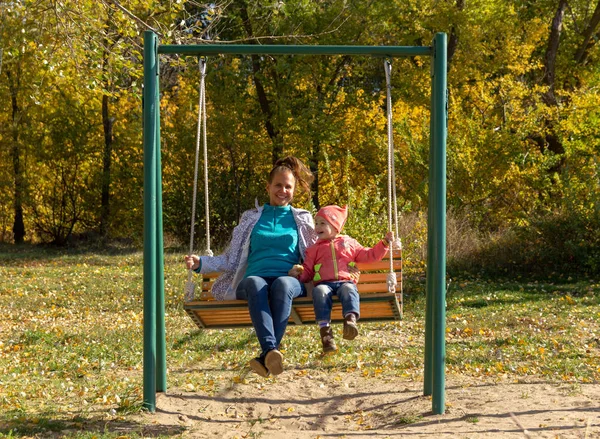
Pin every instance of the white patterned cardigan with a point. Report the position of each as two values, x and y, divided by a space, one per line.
234 260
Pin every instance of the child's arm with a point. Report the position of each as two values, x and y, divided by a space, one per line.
296 271
389 237
305 272
376 253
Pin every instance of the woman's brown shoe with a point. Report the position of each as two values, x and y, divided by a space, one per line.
258 366
274 362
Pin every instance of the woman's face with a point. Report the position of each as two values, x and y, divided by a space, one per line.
281 188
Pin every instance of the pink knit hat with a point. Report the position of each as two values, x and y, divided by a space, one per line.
335 215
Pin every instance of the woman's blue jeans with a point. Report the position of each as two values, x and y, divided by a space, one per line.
270 303
323 299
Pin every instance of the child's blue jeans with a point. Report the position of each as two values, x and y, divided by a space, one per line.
323 299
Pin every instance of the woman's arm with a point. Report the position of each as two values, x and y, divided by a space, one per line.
229 259
192 262
306 230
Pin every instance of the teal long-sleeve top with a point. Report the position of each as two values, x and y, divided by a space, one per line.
273 243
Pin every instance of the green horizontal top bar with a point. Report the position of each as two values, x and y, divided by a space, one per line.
284 49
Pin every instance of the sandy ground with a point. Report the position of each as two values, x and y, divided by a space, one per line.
300 405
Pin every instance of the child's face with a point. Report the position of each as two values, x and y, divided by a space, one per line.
324 229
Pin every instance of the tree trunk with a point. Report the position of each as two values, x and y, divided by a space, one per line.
548 140
15 151
453 39
582 51
107 123
313 164
236 179
315 152
551 52
263 100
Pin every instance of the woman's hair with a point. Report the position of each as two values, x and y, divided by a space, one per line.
298 169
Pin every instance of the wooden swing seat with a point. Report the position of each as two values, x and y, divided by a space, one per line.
376 303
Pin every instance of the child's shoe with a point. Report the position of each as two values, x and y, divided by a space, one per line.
350 327
327 340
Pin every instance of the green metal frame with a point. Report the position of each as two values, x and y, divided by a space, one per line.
154 313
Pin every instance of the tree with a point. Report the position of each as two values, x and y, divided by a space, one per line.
22 25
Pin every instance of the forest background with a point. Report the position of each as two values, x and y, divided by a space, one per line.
523 132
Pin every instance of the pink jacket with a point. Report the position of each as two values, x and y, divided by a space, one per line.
328 260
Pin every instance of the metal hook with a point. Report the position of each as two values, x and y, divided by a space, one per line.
202 65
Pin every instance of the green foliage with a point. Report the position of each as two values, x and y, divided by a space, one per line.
504 172
367 217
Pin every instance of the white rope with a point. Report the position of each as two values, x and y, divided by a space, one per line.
207 251
190 286
392 203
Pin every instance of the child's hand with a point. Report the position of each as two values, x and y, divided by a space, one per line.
389 237
296 271
354 272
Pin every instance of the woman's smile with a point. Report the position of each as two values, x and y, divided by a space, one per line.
281 189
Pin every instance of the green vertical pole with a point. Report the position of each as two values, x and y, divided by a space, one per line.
150 214
438 258
161 354
428 363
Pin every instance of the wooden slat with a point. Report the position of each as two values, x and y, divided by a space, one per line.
375 277
372 288
380 265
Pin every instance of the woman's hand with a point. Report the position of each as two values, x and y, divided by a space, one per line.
192 262
354 273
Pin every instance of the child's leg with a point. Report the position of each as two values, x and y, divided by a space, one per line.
322 303
348 294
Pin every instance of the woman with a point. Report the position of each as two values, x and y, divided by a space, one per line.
267 242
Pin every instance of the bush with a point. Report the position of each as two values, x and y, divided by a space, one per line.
557 244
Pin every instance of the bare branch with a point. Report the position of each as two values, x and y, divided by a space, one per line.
132 15
277 37
581 53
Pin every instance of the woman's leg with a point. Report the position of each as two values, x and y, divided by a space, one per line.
283 290
255 290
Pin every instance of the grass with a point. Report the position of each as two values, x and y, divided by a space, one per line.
71 340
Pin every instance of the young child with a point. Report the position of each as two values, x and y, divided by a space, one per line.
326 264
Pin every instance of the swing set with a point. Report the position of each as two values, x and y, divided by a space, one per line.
381 293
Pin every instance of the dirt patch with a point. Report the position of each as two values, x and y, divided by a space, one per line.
301 405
